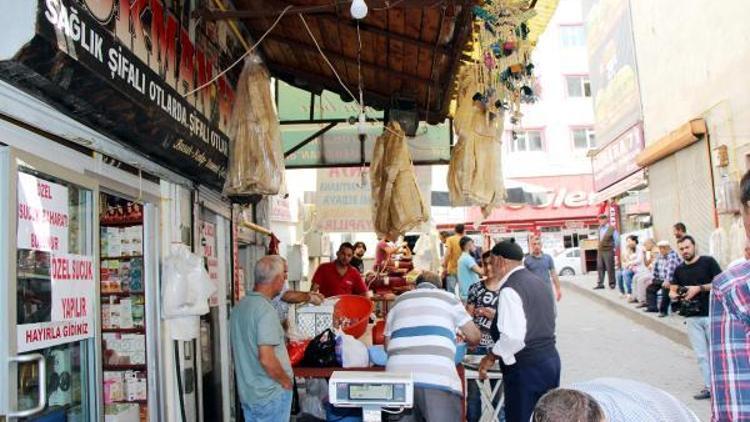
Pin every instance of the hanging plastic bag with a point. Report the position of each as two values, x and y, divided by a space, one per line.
350 352
316 392
321 352
397 203
256 161
296 351
475 175
185 294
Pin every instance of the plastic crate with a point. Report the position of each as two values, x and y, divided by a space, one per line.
312 320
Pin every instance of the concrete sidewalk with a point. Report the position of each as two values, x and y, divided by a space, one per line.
673 327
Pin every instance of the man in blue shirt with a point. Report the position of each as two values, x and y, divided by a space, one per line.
468 270
543 266
261 363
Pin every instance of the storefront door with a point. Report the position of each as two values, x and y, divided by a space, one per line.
48 291
215 363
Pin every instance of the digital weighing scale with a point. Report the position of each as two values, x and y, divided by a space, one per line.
372 391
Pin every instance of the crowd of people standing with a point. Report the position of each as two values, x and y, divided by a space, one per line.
502 304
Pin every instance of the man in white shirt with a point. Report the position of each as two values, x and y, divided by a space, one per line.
524 334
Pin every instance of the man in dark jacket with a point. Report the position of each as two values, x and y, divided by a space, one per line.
524 334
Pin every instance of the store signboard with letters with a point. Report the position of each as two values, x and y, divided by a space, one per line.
73 291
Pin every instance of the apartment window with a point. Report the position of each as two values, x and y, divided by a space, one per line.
584 138
578 86
572 36
526 141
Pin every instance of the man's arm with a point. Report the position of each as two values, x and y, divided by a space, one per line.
555 278
293 296
511 322
477 270
272 366
556 282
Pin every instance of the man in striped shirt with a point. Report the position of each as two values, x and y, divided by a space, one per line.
420 337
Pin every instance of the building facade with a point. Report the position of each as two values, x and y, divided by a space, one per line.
692 106
546 150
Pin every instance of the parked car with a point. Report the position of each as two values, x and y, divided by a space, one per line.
568 262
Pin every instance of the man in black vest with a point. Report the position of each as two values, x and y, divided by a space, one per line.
524 334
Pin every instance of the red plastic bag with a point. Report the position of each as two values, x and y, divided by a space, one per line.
296 351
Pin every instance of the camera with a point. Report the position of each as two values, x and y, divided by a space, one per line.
687 308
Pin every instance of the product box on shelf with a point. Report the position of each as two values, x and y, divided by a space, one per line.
124 349
114 386
122 413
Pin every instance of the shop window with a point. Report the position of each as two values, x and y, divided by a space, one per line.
578 86
584 138
526 141
572 36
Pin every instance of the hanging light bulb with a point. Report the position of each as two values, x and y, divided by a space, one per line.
362 123
358 9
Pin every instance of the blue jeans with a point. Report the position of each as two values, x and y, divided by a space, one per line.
627 278
278 409
450 283
698 330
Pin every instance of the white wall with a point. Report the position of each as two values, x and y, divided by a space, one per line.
693 60
554 112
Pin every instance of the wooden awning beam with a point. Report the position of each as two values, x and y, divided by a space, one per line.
324 13
442 49
292 75
348 60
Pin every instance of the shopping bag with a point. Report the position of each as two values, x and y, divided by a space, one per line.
321 352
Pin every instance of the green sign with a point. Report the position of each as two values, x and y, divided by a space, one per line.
341 145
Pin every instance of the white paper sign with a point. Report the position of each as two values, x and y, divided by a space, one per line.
212 262
43 220
73 305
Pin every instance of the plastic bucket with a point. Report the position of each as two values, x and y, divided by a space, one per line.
355 309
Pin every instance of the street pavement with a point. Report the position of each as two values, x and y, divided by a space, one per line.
596 340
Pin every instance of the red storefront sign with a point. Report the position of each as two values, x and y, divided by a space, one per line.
616 160
568 198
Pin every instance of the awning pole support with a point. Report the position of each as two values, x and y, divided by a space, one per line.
310 139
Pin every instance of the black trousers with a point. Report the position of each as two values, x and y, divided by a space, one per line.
605 261
525 385
651 291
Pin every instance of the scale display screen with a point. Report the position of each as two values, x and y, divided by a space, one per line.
371 391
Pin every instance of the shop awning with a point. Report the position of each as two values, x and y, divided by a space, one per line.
405 48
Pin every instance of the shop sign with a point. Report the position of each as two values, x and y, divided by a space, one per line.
208 236
43 220
574 225
616 160
614 78
73 305
281 210
130 67
343 200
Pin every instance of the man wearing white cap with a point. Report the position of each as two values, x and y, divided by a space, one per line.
664 268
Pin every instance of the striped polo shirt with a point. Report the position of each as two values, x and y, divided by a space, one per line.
422 327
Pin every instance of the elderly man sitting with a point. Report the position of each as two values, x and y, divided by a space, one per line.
420 337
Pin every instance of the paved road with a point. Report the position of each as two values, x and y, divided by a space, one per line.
597 342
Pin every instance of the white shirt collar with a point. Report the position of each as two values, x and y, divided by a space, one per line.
507 276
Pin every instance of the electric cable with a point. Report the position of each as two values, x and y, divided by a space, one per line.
245 54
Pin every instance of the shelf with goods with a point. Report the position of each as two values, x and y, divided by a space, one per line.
123 307
120 258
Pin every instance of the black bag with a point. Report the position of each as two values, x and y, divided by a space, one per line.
321 352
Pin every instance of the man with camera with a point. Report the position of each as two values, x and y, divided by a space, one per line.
691 287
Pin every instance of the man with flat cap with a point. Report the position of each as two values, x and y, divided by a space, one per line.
524 334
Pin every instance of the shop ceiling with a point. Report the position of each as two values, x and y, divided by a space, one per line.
409 48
